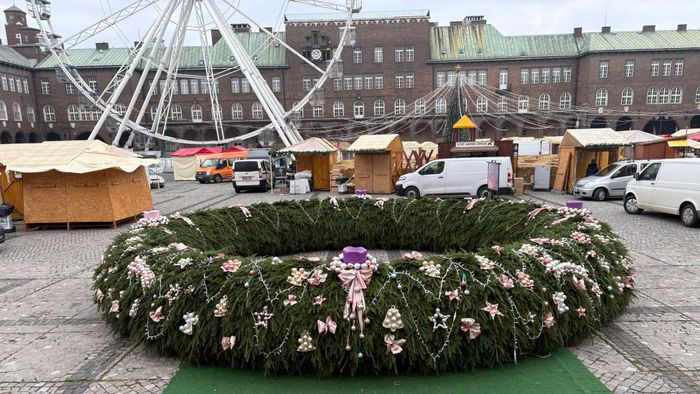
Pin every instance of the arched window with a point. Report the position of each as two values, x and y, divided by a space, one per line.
676 95
482 104
30 114
419 106
543 102
565 101
663 96
358 109
16 112
441 106
236 111
154 113
120 109
216 113
49 114
257 110
627 96
196 111
601 98
652 97
3 111
502 104
176 112
73 113
400 107
379 108
523 103
338 109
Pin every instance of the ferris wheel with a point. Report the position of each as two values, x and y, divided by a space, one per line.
146 81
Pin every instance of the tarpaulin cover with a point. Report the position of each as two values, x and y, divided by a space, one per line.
204 150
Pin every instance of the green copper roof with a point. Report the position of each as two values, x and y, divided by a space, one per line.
638 41
258 45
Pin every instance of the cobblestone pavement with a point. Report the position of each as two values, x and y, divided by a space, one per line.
655 345
53 340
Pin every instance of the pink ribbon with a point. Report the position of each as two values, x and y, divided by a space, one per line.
328 326
355 281
534 213
393 345
470 325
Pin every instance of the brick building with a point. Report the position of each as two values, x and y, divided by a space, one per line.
392 64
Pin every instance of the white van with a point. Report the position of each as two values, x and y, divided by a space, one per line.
456 176
251 174
670 186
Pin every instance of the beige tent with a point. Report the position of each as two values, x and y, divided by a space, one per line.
75 181
316 155
378 162
187 160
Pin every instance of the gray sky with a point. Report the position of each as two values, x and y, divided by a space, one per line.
511 17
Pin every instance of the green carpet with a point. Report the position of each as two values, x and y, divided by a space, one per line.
562 372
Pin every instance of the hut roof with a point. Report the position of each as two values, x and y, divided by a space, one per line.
593 138
376 143
310 145
637 136
464 123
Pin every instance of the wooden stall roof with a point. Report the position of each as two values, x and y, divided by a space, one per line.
78 157
464 123
637 136
683 132
555 140
377 143
593 138
310 145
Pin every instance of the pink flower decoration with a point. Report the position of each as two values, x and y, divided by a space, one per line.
581 311
114 308
231 265
497 249
156 315
413 256
470 325
591 253
99 296
228 342
548 320
318 300
317 277
179 246
492 310
579 283
291 300
326 326
525 280
452 294
393 345
505 281
628 280
189 289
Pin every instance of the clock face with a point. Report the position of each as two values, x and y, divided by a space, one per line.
316 54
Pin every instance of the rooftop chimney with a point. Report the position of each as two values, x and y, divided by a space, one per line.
474 20
578 32
648 28
605 29
455 23
102 46
682 27
240 28
215 36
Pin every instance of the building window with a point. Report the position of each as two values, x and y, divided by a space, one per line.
120 109
16 112
654 68
523 103
535 76
30 114
629 68
379 108
471 78
358 82
378 54
19 85
543 102
70 88
503 78
601 98
524 76
358 109
410 54
3 111
627 96
3 77
337 84
347 82
196 113
399 107
482 77
399 54
545 75
369 82
667 68
398 81
410 80
235 85
502 104
276 84
565 101
663 96
697 95
603 69
45 87
306 84
184 86
338 109
257 110
678 69
73 113
379 81
245 86
92 84
236 111
154 113
556 75
482 104
652 96
49 114
175 87
440 79
441 106
357 55
25 83
676 95
419 106
317 111
194 86
567 74
176 112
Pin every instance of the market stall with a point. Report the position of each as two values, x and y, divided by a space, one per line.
378 162
580 147
635 137
186 161
316 155
416 154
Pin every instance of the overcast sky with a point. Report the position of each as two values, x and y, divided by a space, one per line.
511 17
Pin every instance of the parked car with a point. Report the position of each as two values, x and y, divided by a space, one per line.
251 174
217 167
669 186
456 176
610 181
2 235
154 178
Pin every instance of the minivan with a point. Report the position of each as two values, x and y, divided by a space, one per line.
610 181
251 174
669 186
456 176
217 167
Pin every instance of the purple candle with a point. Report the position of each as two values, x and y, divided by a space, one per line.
354 255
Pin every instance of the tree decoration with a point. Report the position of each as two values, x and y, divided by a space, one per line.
392 319
306 343
236 258
297 277
559 298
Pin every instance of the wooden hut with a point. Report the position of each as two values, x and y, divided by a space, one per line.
187 160
316 155
76 182
378 162
579 147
